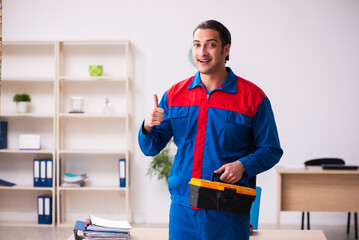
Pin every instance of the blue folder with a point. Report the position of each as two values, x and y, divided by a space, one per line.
44 209
48 175
43 169
122 172
3 135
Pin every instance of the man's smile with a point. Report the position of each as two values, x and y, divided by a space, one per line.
204 60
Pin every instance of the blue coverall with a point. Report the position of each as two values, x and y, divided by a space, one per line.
233 122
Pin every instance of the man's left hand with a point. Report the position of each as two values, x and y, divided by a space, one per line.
232 172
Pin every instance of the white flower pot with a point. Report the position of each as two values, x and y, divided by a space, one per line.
21 107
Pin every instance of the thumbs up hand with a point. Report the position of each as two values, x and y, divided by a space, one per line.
155 117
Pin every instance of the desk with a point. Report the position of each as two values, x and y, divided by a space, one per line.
317 190
162 234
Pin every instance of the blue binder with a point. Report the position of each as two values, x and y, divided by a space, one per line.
79 226
43 169
3 135
48 175
37 182
44 209
42 172
122 172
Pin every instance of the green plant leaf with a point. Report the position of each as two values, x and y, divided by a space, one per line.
22 97
161 164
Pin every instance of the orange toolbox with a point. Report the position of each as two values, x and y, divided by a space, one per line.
221 196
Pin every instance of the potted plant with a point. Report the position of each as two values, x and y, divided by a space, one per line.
22 100
161 164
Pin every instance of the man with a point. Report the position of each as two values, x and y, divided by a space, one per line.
220 123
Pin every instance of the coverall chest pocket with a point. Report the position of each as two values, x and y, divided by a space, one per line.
237 133
179 120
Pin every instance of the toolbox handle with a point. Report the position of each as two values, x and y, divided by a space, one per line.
213 175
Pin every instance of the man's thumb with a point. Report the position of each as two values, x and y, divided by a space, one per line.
155 98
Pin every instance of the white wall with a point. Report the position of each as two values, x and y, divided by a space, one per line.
303 54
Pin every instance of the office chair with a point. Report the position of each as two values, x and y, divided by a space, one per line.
319 162
254 214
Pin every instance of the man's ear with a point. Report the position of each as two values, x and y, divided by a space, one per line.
226 49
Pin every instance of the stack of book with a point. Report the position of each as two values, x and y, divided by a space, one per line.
73 180
99 228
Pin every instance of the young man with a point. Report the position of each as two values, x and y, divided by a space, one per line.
220 123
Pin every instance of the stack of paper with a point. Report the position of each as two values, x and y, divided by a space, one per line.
73 180
99 228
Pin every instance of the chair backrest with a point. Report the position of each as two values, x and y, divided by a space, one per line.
320 161
254 214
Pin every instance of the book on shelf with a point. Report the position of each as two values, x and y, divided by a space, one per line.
3 135
44 209
122 172
73 180
42 172
95 227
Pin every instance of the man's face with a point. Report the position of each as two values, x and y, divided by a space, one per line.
208 54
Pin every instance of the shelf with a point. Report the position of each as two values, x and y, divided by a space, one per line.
26 187
87 79
92 115
94 188
21 79
93 142
92 151
28 43
96 42
27 115
27 151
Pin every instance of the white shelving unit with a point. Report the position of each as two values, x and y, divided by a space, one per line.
27 67
93 142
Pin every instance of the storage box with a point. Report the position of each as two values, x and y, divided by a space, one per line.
221 196
29 142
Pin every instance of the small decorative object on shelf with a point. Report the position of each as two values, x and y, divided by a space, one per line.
77 105
22 100
106 107
96 70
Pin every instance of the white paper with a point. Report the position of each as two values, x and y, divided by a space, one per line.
109 223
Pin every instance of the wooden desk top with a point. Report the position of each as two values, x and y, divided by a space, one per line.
288 235
162 234
313 170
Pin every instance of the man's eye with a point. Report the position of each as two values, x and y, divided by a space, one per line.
211 45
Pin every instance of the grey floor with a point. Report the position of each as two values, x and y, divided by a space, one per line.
62 233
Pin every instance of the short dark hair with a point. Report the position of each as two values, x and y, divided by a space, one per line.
224 34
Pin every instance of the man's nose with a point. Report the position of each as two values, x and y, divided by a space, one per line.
203 51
